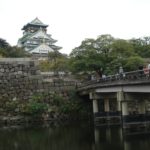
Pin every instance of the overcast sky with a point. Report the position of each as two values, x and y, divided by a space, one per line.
71 21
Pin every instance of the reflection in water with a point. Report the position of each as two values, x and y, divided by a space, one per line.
107 138
71 137
52 138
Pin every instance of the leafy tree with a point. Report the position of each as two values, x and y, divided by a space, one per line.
92 55
141 46
11 51
3 46
121 51
122 48
104 56
45 65
3 43
133 63
61 63
56 62
52 56
15 52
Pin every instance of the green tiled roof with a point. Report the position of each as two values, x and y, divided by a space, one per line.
35 22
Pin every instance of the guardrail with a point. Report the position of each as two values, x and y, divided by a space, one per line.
126 76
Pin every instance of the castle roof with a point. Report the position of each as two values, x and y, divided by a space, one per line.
39 34
56 47
35 22
42 49
42 34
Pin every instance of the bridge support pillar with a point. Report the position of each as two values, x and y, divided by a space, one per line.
142 109
125 117
106 105
95 106
125 108
120 97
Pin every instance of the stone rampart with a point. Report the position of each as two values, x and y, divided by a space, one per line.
21 82
20 78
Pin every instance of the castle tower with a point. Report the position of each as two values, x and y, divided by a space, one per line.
35 39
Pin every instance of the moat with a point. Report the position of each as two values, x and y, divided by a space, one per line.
70 137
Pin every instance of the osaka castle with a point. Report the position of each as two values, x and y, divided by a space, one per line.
35 39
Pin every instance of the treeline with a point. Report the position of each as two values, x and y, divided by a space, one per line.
106 54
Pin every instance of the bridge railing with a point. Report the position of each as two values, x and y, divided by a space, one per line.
126 76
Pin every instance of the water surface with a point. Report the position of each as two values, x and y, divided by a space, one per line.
70 137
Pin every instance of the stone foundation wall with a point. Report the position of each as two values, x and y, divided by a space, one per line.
24 93
20 78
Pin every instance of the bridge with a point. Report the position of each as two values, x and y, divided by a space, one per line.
120 99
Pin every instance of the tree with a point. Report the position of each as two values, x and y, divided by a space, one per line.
121 51
104 56
15 52
141 46
61 63
56 62
3 47
11 51
133 63
52 56
92 55
3 44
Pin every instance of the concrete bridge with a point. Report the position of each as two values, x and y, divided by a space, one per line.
121 99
